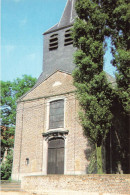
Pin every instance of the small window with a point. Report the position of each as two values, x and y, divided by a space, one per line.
53 44
56 115
68 39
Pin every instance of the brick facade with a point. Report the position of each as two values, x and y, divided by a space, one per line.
32 122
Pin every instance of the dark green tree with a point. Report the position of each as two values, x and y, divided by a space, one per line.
7 117
6 166
118 22
93 90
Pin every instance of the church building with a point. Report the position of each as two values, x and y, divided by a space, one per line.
49 138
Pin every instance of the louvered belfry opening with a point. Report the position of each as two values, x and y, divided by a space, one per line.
53 44
55 156
68 39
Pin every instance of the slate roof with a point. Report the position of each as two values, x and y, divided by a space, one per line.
67 18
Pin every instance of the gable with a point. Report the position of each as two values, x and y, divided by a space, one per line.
58 83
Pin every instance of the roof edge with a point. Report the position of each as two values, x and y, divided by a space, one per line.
50 31
110 79
37 84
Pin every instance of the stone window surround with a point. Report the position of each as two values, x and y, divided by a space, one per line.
56 115
51 133
48 110
47 136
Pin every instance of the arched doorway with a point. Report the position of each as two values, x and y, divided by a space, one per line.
55 163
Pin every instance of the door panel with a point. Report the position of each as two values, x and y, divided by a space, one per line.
51 161
55 156
60 161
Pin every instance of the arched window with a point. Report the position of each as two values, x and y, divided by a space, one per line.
53 42
68 39
55 163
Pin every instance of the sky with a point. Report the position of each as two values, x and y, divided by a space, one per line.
23 23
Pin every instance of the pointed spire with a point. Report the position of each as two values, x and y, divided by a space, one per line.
67 18
68 14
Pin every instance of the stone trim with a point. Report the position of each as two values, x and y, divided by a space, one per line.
47 136
55 133
51 99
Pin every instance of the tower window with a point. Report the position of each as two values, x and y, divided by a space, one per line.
68 39
56 115
53 44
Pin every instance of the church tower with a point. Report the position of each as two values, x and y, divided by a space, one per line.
58 45
49 138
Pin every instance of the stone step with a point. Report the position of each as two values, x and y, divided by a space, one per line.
23 193
15 185
14 193
11 189
10 186
4 182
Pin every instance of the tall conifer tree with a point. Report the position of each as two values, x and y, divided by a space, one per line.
118 21
93 90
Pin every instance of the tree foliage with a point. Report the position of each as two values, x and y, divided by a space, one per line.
105 110
118 22
6 166
93 90
10 92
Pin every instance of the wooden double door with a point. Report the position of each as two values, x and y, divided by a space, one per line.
55 156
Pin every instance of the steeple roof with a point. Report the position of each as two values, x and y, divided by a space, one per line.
67 18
